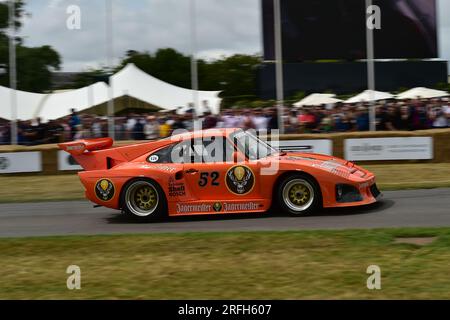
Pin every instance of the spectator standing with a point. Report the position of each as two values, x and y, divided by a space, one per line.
307 120
273 119
96 128
151 128
164 129
74 122
260 120
362 119
138 130
55 132
292 123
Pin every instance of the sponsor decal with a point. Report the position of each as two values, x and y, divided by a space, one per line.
20 162
240 180
187 208
217 207
404 148
76 147
244 206
4 163
153 158
104 189
165 168
334 167
176 189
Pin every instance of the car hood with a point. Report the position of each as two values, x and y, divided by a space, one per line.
327 163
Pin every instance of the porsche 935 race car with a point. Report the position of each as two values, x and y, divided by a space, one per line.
217 171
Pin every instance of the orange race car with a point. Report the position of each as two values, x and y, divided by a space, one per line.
215 171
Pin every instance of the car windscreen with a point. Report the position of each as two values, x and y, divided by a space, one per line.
253 147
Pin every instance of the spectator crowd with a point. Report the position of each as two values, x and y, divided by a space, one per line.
390 116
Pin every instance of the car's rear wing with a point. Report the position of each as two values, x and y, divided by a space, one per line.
99 154
81 146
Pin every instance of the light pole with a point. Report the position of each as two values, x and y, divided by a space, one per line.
370 67
194 64
110 57
279 64
13 71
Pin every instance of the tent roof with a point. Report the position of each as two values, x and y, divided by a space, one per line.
129 81
423 93
317 99
370 95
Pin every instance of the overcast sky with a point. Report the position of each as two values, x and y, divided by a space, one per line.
224 27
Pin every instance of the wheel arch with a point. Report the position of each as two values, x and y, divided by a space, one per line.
131 180
287 173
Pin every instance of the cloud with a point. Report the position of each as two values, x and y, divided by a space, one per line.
224 27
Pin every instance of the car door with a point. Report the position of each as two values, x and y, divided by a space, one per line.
212 175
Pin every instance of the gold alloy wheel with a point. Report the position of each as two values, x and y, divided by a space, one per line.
145 198
298 195
142 198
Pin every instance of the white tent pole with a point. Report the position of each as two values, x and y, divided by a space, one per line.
13 72
110 57
194 64
279 64
370 68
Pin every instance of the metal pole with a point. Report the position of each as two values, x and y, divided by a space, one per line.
13 72
194 64
279 64
370 67
110 57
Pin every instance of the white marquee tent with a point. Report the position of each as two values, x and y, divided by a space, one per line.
423 93
317 99
370 95
130 81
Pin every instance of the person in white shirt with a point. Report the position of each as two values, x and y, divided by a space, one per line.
151 128
260 121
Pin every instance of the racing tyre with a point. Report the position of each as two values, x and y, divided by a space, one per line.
144 200
299 195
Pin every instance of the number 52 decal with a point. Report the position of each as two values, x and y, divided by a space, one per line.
204 179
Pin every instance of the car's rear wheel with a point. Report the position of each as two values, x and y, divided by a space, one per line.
299 195
144 200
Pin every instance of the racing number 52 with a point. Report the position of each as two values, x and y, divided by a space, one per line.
204 178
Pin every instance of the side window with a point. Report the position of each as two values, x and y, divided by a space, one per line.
207 150
161 156
217 149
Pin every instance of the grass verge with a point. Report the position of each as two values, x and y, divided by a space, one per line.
68 187
261 265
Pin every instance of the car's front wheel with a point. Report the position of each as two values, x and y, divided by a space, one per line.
299 195
144 200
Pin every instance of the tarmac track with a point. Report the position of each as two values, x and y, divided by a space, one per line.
408 208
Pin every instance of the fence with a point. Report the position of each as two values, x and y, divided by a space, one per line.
429 146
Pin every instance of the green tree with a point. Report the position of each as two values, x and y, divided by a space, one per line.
34 64
235 75
166 64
